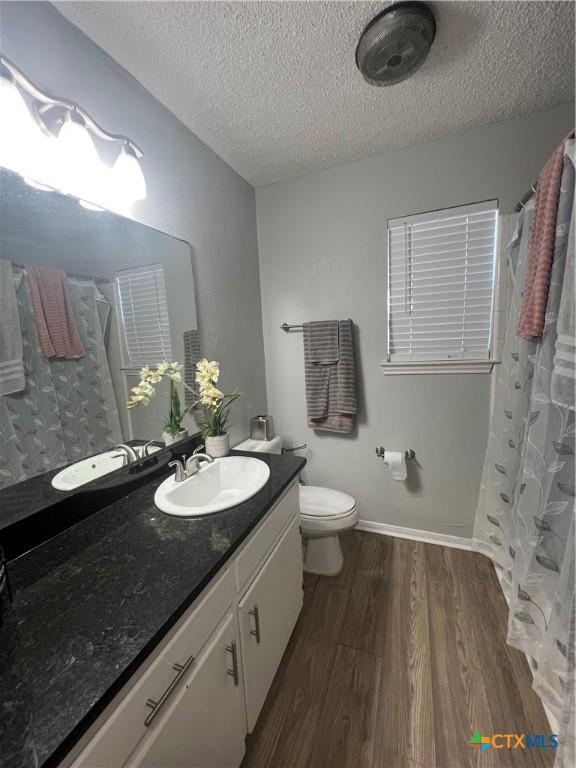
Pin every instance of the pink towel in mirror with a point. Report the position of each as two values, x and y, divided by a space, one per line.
53 313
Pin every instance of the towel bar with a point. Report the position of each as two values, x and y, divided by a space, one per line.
291 327
409 453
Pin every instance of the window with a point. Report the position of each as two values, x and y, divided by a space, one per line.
441 268
143 305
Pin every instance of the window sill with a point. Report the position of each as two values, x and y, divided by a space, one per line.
438 366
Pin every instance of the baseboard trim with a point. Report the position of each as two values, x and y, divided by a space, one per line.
415 534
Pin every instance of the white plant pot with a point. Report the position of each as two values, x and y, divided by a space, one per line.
217 447
171 439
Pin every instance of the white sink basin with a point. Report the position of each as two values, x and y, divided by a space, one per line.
90 469
223 484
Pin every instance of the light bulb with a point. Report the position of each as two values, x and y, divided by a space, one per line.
18 131
79 171
127 176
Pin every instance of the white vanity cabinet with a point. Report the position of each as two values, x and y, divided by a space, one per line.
268 612
203 725
192 702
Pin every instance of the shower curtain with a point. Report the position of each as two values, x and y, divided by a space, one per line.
525 515
68 409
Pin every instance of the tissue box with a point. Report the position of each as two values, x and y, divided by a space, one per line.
261 428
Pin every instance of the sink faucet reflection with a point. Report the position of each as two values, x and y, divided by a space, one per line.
188 467
129 454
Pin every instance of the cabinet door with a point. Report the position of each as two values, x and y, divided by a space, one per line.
268 612
203 724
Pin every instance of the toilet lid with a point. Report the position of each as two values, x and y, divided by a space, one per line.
324 502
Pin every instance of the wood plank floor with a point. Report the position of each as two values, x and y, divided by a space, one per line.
394 663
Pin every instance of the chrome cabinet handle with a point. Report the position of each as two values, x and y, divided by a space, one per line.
156 706
256 630
234 671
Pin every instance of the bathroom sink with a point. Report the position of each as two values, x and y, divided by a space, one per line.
223 484
82 472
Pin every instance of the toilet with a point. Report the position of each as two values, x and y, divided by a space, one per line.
324 514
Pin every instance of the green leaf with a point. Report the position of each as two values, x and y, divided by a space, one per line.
500 468
567 490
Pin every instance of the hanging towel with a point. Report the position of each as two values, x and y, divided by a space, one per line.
324 348
537 280
562 388
330 374
11 352
191 357
53 313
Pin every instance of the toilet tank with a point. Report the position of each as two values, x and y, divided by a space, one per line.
261 446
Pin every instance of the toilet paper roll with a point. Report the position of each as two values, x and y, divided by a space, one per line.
396 463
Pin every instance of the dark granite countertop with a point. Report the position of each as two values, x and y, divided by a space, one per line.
91 604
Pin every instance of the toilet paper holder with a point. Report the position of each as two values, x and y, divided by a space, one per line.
409 453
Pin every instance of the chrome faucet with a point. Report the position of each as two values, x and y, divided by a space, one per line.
129 454
193 463
185 468
180 473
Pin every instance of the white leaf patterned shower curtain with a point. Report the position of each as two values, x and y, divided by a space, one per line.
525 515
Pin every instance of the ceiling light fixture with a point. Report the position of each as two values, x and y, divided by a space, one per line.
54 142
395 43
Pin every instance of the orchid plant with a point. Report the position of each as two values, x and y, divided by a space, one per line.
215 403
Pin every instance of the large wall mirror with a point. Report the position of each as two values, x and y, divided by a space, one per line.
125 295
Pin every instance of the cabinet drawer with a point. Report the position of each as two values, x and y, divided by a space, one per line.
124 728
263 540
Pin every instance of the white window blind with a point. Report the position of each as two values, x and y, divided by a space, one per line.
441 268
143 304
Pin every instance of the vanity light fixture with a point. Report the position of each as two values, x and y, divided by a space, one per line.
128 174
55 143
14 152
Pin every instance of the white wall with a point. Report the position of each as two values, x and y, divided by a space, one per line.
192 193
322 255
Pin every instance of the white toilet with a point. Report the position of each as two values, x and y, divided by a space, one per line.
324 515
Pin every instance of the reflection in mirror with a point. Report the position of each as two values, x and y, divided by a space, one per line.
87 297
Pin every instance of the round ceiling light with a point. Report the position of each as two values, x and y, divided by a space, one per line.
395 43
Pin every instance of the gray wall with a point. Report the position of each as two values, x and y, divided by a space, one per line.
192 193
322 255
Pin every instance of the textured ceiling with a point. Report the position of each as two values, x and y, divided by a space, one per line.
273 88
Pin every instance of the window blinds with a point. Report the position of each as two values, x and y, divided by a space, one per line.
143 306
441 268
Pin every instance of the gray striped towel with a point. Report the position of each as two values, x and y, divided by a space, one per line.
191 357
330 373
